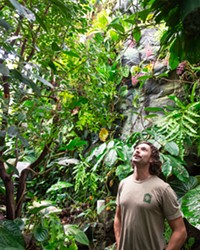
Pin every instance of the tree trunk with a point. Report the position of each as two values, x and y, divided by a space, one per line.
7 179
22 179
9 199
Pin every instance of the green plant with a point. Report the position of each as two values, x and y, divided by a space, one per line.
48 230
173 165
189 243
86 181
180 123
112 247
92 172
191 206
180 18
11 236
58 192
188 195
56 82
31 117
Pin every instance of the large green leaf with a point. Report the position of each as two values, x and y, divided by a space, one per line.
153 109
23 11
166 167
78 234
58 186
4 24
122 154
100 150
123 91
191 206
25 80
76 143
178 169
44 81
10 236
172 148
81 237
71 53
111 157
41 233
174 165
175 52
137 34
181 188
64 8
111 144
116 24
39 206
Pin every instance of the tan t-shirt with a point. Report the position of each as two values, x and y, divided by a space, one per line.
144 207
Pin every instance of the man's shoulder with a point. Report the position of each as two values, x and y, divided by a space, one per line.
127 179
159 182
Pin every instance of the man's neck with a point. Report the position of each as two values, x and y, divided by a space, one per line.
141 174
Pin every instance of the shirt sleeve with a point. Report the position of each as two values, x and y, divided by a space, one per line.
118 194
171 206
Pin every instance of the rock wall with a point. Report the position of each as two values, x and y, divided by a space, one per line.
155 91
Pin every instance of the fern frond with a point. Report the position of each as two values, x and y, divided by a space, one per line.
174 131
187 125
181 123
163 126
189 119
192 96
178 102
194 105
92 182
176 136
192 135
191 113
167 120
80 171
175 114
163 129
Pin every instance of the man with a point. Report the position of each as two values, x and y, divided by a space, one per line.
144 201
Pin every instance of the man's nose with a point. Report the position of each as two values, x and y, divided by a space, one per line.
137 150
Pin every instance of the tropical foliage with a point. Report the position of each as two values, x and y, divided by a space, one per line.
181 19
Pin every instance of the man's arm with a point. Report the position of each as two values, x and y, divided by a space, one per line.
117 224
179 234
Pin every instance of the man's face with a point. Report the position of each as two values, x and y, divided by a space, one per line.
141 155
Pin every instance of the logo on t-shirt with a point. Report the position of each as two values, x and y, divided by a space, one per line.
147 198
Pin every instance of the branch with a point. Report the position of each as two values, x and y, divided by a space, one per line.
34 37
7 179
22 179
9 197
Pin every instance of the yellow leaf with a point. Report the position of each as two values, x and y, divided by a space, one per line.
111 183
103 134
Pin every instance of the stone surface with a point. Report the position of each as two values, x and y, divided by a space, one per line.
154 92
